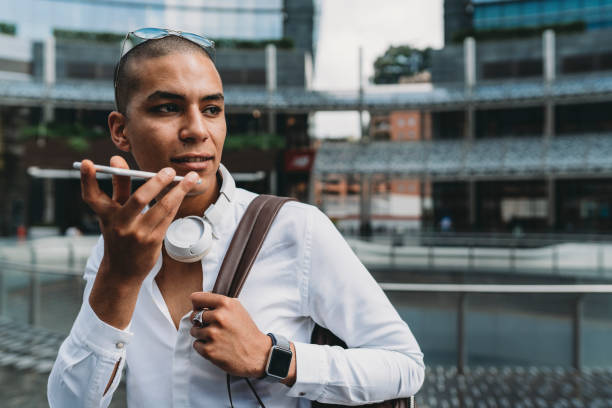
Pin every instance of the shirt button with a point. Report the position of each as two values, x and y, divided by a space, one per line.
302 394
119 345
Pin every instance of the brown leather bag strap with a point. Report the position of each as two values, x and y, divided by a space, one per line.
246 243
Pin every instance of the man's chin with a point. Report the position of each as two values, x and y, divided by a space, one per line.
193 193
198 189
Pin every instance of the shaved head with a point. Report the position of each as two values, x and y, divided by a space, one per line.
127 82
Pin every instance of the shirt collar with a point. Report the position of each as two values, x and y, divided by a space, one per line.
217 211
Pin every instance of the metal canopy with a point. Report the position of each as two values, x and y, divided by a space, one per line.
587 155
567 89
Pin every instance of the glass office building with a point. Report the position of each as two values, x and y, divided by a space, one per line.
255 20
504 14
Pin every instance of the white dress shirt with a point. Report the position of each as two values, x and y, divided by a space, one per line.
305 273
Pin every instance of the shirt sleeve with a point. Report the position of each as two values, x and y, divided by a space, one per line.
383 360
91 355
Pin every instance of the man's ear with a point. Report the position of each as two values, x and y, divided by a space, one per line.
116 125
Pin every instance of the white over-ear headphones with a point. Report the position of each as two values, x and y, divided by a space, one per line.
189 239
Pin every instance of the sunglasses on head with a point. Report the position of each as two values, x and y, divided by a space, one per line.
134 38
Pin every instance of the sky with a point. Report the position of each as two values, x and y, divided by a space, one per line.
345 25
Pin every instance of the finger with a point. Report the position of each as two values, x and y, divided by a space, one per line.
208 334
201 347
202 318
163 212
90 190
147 192
200 333
122 185
201 300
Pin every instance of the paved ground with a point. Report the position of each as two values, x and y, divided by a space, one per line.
516 387
28 389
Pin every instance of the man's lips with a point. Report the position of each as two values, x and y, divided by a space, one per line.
190 159
192 162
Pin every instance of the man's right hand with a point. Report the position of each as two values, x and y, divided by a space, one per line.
132 238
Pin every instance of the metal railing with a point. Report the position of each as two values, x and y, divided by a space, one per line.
463 290
467 308
578 256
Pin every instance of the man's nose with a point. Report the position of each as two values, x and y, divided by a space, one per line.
194 126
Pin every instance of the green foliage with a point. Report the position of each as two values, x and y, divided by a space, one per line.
518 32
88 36
283 43
260 141
76 135
399 62
8 28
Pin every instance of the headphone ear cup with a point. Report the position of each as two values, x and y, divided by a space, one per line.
188 239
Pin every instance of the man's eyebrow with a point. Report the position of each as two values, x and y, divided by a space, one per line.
213 97
171 95
164 95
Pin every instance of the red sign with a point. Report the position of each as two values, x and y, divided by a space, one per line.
299 160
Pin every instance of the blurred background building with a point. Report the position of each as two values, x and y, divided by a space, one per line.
516 131
56 68
504 129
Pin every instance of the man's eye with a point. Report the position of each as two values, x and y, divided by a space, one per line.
167 107
212 110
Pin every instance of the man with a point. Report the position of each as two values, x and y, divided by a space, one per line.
138 303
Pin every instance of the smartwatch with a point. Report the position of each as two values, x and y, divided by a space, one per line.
279 359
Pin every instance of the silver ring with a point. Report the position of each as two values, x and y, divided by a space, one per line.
197 319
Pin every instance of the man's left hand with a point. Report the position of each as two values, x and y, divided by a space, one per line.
229 339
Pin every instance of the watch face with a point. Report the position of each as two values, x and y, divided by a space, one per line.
280 360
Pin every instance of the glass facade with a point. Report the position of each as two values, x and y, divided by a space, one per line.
244 19
504 14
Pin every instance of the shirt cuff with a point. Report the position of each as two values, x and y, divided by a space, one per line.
312 370
100 337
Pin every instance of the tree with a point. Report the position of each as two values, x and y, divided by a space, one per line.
401 61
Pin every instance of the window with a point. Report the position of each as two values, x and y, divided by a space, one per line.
578 63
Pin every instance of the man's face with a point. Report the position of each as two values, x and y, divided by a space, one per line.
176 117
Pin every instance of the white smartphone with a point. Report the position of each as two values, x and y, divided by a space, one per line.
125 172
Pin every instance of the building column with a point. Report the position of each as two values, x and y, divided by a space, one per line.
470 123
422 197
365 205
552 202
272 122
363 136
49 76
271 75
271 82
469 61
550 70
472 202
49 197
272 182
549 55
549 119
308 71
